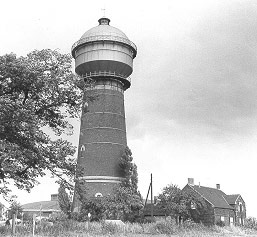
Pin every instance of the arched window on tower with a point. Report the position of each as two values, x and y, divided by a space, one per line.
82 148
85 107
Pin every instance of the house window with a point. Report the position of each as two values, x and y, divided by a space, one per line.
222 218
241 208
239 221
231 220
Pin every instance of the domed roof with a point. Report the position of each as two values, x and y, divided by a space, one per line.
104 29
104 32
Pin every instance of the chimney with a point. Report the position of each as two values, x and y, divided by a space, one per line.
191 181
218 186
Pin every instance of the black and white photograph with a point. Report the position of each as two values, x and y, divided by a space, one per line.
128 118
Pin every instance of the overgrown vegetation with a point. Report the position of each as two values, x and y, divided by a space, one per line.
168 227
15 208
125 203
251 223
64 200
179 204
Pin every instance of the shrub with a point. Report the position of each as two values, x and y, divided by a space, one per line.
251 223
75 216
4 230
109 228
134 228
220 223
112 228
160 227
147 219
165 227
95 227
189 224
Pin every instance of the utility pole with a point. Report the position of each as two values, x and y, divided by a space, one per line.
13 224
151 196
152 204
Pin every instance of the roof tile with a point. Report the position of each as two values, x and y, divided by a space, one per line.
215 196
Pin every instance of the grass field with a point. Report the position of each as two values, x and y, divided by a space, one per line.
97 229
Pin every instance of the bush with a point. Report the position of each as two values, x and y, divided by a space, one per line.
58 217
189 224
75 216
112 228
165 227
220 223
109 228
134 228
4 230
160 227
251 223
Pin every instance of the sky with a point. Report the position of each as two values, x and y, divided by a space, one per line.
191 111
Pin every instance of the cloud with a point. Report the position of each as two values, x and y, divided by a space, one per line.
206 81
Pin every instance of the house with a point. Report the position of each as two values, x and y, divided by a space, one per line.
220 207
42 208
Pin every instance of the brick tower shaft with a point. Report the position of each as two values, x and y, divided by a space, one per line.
104 55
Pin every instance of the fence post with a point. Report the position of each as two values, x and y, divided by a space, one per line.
33 224
13 224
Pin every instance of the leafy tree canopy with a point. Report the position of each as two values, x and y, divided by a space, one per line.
36 91
64 200
178 203
124 205
16 209
129 170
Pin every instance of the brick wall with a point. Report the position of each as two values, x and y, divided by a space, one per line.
224 214
102 138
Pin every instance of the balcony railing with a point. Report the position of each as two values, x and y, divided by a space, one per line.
106 74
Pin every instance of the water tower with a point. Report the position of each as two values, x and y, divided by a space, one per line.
104 55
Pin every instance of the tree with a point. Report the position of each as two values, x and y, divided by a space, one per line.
37 91
125 203
64 200
1 210
15 208
96 206
129 170
180 204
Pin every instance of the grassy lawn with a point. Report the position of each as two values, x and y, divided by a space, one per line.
97 229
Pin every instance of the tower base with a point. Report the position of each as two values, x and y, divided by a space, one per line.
91 186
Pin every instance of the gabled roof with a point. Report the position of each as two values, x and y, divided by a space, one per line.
214 196
43 206
231 199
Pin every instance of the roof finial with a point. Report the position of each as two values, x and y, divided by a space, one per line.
103 9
